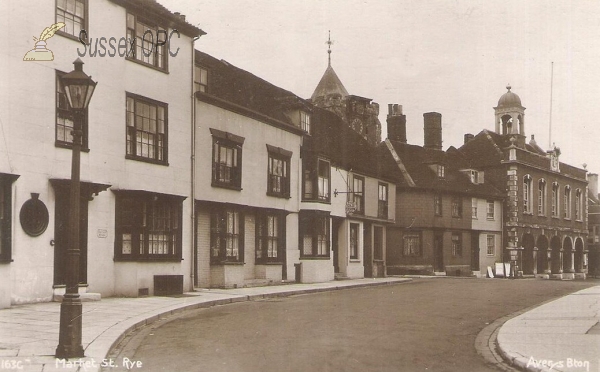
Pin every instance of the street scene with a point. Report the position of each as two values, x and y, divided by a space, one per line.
340 185
367 329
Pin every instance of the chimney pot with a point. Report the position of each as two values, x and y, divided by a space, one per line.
593 183
468 137
396 123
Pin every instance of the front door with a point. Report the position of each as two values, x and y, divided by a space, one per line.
336 223
475 251
438 253
61 235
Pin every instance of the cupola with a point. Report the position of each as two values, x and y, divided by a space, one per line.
510 114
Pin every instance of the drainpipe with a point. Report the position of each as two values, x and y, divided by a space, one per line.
193 174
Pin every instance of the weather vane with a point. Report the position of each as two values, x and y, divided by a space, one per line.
329 43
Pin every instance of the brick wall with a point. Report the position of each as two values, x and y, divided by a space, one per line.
203 247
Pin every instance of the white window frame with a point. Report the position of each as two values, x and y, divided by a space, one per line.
491 210
492 238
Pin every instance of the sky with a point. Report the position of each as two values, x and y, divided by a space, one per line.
452 57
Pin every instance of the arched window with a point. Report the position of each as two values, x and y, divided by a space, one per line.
527 194
542 197
567 202
555 199
578 207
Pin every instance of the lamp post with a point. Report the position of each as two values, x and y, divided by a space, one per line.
78 88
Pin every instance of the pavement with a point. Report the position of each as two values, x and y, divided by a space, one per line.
561 335
29 333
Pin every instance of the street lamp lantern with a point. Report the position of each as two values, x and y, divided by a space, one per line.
78 88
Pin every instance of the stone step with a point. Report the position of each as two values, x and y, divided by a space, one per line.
84 297
250 283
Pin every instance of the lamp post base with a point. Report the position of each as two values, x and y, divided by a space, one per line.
69 338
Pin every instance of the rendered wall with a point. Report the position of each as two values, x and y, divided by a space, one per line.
27 116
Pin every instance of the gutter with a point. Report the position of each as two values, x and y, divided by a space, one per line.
194 263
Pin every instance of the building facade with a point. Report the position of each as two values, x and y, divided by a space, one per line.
593 225
247 136
545 210
347 202
135 167
447 215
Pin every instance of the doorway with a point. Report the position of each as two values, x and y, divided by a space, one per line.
336 223
475 251
62 190
438 253
61 235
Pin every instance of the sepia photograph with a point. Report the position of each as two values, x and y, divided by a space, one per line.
341 185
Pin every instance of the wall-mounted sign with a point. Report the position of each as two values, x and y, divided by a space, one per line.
102 233
34 216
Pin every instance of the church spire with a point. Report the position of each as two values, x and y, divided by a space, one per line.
329 44
330 83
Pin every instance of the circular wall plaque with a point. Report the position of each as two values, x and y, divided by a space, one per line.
34 216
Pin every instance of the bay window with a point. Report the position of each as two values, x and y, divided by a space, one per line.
314 234
148 226
317 180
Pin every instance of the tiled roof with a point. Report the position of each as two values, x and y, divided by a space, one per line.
418 160
483 150
333 138
153 8
487 149
242 88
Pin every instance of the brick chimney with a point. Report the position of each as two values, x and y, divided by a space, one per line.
433 130
469 137
593 183
396 123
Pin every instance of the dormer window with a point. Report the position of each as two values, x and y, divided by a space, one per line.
474 177
441 171
305 121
